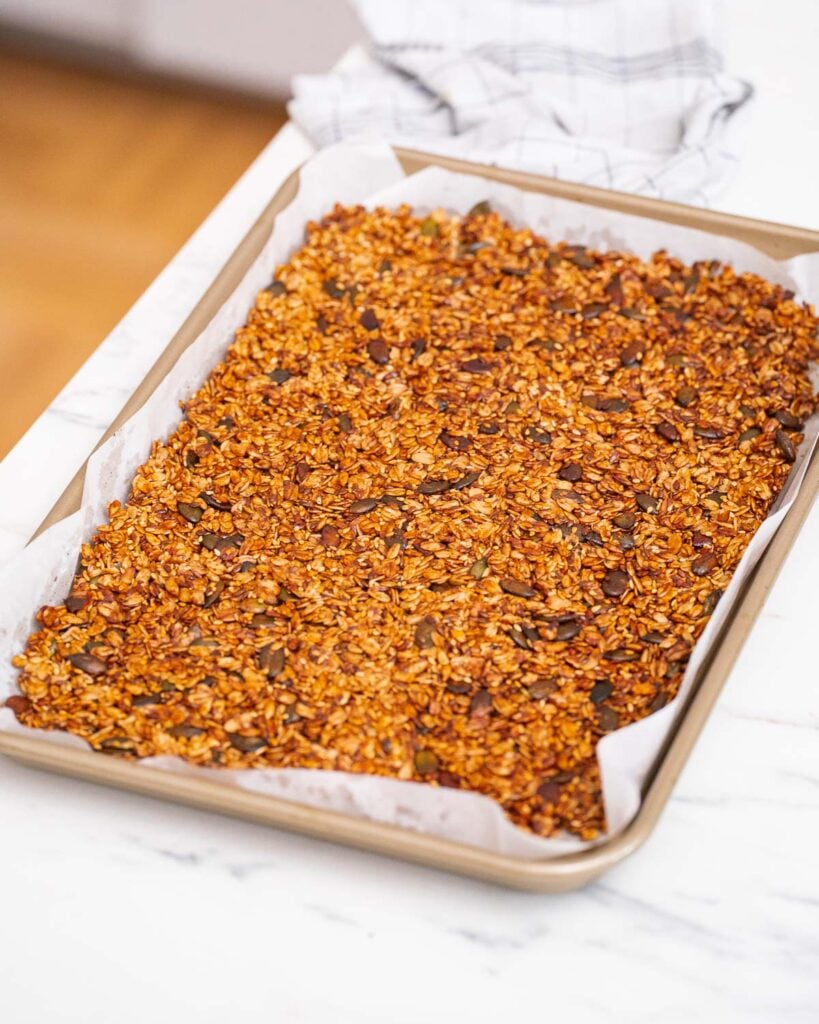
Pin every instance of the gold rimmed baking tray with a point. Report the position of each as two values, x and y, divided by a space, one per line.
553 875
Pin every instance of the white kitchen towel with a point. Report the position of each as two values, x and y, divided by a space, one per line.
625 94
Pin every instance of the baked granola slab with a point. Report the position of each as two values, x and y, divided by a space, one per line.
456 503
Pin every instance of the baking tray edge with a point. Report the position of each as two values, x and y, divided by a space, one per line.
553 875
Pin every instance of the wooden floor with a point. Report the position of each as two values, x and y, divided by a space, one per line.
101 180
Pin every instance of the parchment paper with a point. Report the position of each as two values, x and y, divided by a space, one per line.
42 573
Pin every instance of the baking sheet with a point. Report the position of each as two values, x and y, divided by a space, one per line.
42 573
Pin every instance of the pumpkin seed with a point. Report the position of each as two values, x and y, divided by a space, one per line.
539 435
749 434
363 505
519 638
418 347
708 433
613 405
459 688
467 480
632 354
455 442
330 537
615 583
146 699
88 663
378 351
212 596
368 320
704 564
333 289
572 472
601 691
118 745
425 631
517 588
425 762
621 654
542 688
614 290
607 719
193 513
788 420
549 791
567 630
479 569
76 602
185 731
591 537
625 520
667 431
263 619
785 445
476 366
711 602
211 502
246 744
646 502
690 283
271 660
434 486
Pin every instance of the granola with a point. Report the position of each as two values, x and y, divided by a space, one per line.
457 503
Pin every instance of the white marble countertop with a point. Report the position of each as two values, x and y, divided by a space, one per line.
115 907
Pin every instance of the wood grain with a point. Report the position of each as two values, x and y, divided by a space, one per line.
102 178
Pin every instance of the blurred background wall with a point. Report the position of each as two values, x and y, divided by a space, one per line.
248 44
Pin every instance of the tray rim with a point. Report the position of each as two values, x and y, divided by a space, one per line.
549 875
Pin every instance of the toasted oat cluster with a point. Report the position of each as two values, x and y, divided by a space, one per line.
457 503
